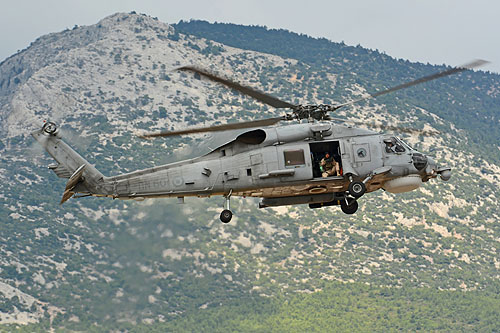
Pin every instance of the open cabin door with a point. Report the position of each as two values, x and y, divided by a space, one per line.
319 151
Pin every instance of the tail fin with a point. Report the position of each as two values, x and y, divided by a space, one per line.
83 177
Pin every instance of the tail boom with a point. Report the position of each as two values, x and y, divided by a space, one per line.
83 177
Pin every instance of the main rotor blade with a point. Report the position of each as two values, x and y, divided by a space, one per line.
406 130
470 65
217 128
260 96
391 127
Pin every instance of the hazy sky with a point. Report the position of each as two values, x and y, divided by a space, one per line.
435 31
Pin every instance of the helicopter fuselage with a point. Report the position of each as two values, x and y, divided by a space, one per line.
279 164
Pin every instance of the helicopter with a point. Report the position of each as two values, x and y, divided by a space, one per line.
316 161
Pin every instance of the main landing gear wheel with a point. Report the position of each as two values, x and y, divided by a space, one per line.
226 216
349 207
357 189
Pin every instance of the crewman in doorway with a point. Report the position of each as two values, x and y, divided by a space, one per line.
329 166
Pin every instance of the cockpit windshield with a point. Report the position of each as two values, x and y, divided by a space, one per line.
406 145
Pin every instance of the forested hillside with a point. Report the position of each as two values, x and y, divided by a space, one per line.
424 260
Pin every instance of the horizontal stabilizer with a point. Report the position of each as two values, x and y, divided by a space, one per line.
75 178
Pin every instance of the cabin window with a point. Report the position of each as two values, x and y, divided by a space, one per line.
294 157
249 172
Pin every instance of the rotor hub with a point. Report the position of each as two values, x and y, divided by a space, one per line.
317 112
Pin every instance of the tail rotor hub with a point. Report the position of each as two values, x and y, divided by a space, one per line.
49 128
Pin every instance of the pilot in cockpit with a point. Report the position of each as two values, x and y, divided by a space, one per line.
393 146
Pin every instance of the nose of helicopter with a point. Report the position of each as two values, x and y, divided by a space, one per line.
432 169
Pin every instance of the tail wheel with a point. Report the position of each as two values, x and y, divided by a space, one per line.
349 207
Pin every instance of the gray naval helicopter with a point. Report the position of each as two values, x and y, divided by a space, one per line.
283 165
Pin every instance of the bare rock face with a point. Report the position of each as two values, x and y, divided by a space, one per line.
37 82
18 69
124 62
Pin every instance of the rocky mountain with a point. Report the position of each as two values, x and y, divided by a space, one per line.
98 263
